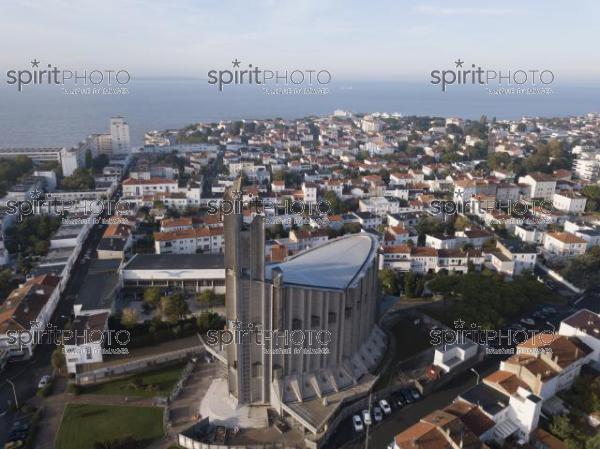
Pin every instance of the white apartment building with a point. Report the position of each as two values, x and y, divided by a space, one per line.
513 259
190 241
540 185
587 166
564 244
441 241
119 135
140 187
569 202
370 124
309 191
378 205
85 344
528 234
396 257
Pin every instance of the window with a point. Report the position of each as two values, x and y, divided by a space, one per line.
315 321
257 369
88 353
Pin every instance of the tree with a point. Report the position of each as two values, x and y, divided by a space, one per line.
592 193
209 320
207 298
336 205
388 281
13 169
444 284
58 360
499 160
5 282
413 284
431 225
584 270
88 159
129 317
152 296
461 223
81 179
100 162
174 308
561 427
593 442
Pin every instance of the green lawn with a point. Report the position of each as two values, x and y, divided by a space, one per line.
84 424
159 382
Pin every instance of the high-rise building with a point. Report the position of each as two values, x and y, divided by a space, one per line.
119 134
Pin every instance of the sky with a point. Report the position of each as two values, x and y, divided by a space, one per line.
373 40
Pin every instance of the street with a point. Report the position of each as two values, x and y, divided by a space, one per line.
26 374
400 419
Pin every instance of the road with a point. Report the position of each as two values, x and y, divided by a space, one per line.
26 374
401 419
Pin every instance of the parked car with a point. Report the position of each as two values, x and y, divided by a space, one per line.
357 423
528 321
17 436
366 416
398 399
14 444
20 426
407 396
385 406
415 394
377 414
45 380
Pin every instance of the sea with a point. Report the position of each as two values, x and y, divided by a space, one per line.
53 116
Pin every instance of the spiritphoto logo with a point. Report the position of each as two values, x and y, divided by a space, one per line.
273 341
495 340
40 203
92 81
257 205
497 81
52 335
298 81
514 208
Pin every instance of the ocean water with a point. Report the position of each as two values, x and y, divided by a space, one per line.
45 115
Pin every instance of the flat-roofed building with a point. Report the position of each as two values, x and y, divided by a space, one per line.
190 272
84 344
100 289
